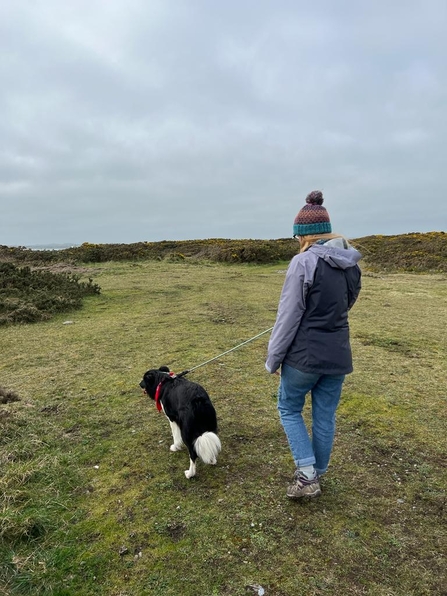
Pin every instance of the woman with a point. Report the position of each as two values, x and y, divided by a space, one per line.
310 340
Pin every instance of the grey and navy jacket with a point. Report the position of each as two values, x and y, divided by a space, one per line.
311 332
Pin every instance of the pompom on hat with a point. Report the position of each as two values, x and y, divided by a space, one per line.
313 217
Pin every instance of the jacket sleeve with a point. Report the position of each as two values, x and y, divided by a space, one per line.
354 285
292 305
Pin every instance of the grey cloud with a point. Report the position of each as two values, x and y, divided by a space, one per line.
222 115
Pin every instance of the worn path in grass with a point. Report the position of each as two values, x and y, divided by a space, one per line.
92 501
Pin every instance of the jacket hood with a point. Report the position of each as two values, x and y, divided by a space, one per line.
338 253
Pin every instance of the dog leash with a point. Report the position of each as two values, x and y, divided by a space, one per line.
185 372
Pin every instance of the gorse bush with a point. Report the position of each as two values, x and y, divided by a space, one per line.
414 252
27 296
214 249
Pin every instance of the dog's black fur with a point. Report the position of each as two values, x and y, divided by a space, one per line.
191 414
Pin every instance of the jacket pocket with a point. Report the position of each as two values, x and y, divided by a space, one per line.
329 349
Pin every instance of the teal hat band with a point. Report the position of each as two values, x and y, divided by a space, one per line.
311 229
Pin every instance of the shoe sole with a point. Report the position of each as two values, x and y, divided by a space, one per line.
313 495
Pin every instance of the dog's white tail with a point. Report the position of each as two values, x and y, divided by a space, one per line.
207 447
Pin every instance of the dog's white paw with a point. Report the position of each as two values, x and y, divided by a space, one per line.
189 474
175 447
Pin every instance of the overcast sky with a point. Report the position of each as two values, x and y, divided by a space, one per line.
132 120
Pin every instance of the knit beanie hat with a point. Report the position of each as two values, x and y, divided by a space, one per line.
313 217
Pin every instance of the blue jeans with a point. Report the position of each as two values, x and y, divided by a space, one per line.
325 391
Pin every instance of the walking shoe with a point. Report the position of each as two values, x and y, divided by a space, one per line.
303 487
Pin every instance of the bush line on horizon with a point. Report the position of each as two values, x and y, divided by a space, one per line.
413 252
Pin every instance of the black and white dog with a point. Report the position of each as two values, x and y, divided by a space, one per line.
190 412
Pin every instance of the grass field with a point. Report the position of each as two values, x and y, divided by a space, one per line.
92 502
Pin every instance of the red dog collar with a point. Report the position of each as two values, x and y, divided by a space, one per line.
157 392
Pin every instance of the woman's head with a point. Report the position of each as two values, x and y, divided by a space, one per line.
313 218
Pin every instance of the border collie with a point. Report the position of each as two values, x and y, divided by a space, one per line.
190 412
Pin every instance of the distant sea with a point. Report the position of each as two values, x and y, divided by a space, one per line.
50 246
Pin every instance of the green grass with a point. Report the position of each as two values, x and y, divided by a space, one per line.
92 501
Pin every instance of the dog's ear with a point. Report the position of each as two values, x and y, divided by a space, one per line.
163 369
149 382
149 376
